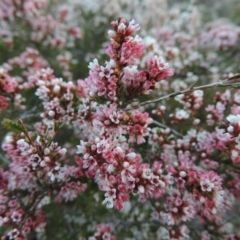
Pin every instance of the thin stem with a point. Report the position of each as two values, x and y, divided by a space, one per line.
164 126
232 81
33 207
171 95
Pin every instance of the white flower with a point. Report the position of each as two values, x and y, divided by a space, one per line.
207 185
110 168
81 148
182 114
233 118
198 93
147 173
92 65
108 202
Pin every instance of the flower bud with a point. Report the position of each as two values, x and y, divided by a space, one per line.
131 156
141 189
51 113
56 89
182 174
111 33
125 164
46 151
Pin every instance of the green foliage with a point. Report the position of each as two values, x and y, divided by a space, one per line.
14 127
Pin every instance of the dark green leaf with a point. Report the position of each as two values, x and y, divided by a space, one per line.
12 126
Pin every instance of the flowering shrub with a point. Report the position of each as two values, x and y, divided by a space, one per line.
141 147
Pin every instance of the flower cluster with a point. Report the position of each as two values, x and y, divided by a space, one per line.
231 139
103 232
141 142
8 86
13 213
119 172
35 169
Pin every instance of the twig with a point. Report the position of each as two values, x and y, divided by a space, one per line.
164 126
232 81
33 207
171 95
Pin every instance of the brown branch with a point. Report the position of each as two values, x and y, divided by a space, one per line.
232 81
165 127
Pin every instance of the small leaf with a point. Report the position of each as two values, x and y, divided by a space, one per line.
235 85
58 125
34 136
12 126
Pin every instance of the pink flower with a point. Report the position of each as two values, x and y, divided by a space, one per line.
210 181
16 215
158 68
131 50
